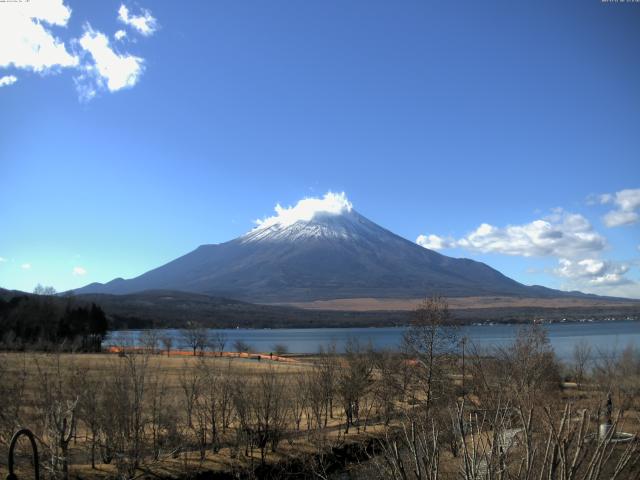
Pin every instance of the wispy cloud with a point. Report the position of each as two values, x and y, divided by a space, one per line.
627 205
435 242
25 266
120 34
8 80
79 271
3 260
144 23
109 70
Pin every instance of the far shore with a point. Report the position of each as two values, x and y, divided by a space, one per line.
457 303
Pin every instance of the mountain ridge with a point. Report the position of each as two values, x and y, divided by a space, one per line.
328 255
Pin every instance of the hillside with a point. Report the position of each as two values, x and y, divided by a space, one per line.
330 255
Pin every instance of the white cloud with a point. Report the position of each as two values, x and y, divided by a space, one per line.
306 209
79 271
25 266
566 236
8 80
3 260
617 218
593 271
109 69
29 39
561 234
434 242
26 39
144 23
627 203
602 277
628 199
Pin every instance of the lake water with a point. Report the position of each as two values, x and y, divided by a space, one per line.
604 337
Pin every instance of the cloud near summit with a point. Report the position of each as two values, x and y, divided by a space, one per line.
306 209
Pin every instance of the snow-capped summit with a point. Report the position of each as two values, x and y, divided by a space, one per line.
321 248
347 225
329 217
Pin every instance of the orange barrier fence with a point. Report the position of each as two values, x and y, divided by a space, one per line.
189 353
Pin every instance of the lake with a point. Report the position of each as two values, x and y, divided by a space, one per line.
604 337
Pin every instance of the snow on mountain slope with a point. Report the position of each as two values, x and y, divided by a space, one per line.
321 249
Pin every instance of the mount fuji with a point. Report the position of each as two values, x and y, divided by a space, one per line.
322 249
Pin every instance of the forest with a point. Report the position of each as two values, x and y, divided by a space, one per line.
43 321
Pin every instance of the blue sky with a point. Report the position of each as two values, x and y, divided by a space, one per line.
502 131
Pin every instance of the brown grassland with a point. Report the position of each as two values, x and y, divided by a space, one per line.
458 303
430 411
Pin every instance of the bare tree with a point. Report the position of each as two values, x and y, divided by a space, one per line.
618 372
529 368
431 341
161 417
300 399
57 406
581 359
316 399
61 428
242 394
524 372
280 349
629 375
190 386
354 381
149 340
241 346
211 400
326 369
218 341
225 396
270 411
412 452
13 387
558 445
387 387
125 413
509 443
46 291
88 408
196 338
167 343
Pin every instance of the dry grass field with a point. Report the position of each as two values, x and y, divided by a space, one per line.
143 414
457 303
190 392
